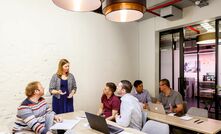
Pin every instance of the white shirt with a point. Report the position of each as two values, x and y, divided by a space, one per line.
130 112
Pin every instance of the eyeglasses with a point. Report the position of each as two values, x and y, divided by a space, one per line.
162 84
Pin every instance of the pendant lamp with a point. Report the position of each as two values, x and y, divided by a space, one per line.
207 38
78 5
124 10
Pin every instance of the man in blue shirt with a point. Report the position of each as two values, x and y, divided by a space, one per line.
141 94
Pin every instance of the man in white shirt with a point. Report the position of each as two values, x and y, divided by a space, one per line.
130 109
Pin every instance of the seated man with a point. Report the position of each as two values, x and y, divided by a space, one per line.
141 94
130 109
110 104
171 100
34 113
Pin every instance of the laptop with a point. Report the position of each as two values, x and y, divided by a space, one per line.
157 108
99 123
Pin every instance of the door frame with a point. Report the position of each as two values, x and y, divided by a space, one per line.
181 80
217 24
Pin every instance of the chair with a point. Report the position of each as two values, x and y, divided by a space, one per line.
154 127
198 112
194 111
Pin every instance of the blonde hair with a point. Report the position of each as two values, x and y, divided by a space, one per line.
61 63
30 88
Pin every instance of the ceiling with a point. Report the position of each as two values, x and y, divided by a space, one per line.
153 3
190 36
198 27
189 33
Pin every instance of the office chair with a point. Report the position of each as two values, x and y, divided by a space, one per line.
198 112
154 127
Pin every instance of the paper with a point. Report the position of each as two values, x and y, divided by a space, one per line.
87 125
65 125
186 117
125 132
171 114
80 117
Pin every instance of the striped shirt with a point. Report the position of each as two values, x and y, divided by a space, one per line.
31 116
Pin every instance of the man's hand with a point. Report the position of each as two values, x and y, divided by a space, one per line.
145 106
49 132
171 108
117 116
58 119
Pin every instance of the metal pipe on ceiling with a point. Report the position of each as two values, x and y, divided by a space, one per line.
164 5
151 10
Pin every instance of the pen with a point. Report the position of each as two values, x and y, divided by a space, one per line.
199 122
196 120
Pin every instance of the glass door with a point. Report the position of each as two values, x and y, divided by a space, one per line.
166 58
171 59
199 59
218 70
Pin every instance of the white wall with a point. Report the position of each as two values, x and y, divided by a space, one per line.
149 37
35 34
148 55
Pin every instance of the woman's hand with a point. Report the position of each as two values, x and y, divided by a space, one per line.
71 94
58 92
61 93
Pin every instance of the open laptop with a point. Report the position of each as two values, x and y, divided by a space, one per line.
99 123
157 108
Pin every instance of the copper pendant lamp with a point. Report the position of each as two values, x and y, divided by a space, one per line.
78 5
124 10
207 38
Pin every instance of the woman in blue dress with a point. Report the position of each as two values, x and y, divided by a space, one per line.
63 87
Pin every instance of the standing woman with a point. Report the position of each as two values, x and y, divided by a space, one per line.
63 87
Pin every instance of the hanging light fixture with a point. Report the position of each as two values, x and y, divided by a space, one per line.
207 38
124 10
78 5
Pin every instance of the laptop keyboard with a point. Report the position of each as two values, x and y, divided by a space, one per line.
113 128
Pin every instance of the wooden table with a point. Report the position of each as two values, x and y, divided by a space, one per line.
209 126
81 127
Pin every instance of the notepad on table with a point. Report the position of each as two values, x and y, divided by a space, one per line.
171 114
186 117
65 125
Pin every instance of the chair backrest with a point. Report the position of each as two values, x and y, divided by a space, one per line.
154 127
198 112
